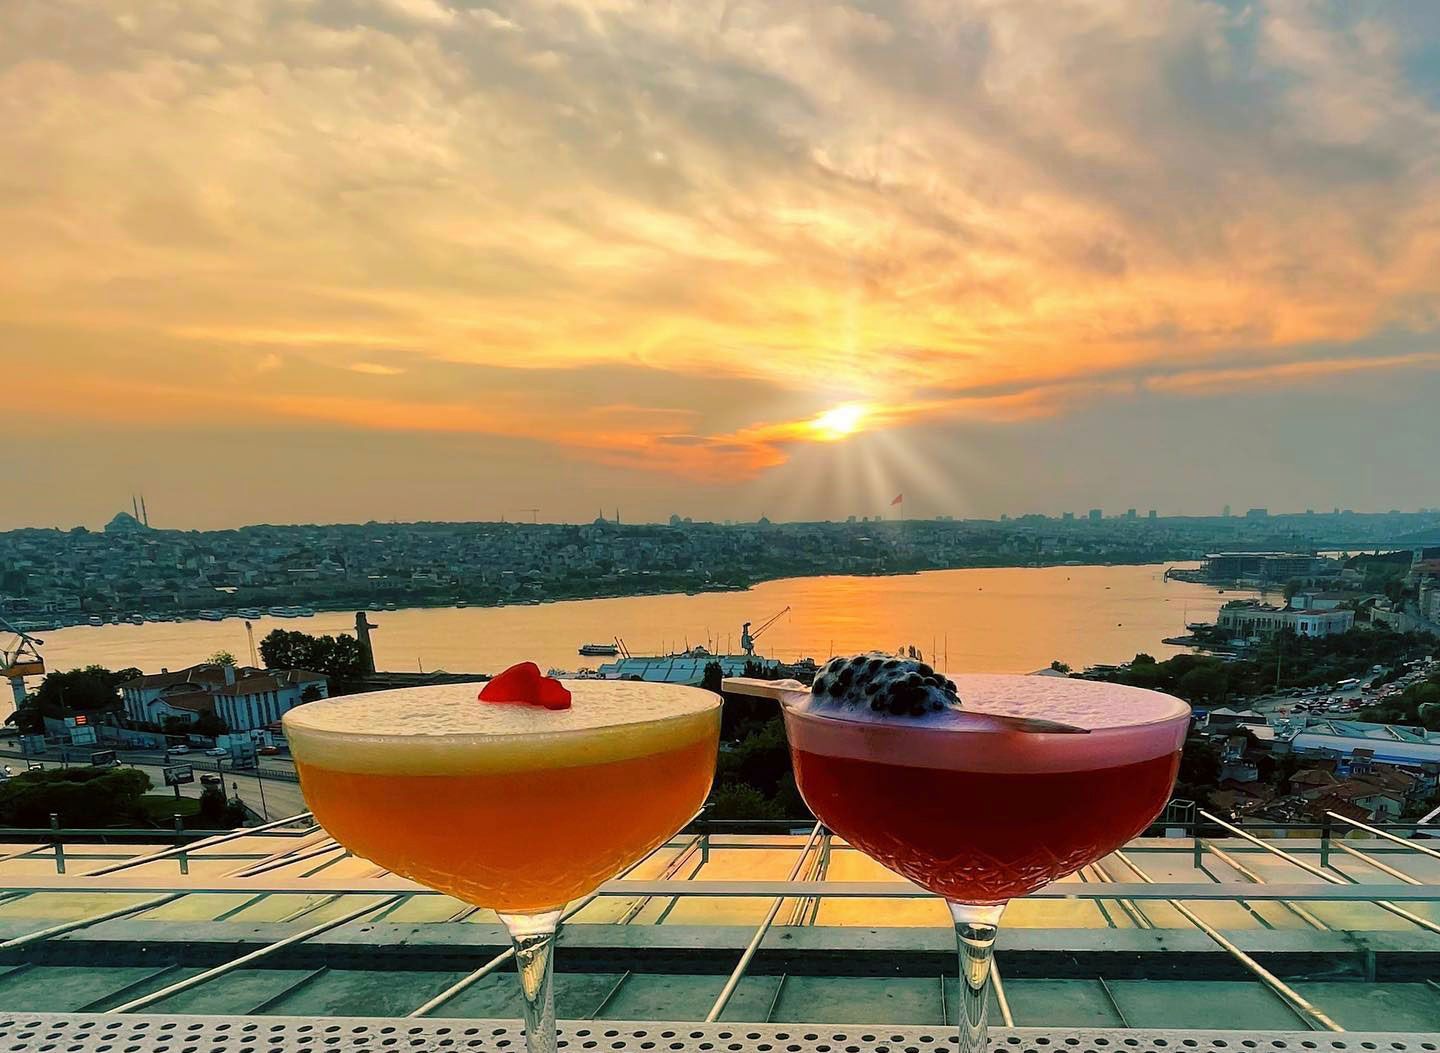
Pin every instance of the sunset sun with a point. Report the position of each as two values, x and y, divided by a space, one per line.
839 422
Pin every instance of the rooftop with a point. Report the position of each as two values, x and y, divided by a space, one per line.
281 922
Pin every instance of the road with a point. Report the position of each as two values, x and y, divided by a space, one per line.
273 797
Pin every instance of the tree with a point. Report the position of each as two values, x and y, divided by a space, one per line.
218 811
733 800
1199 770
87 797
1204 683
311 693
93 689
222 658
710 680
211 725
336 656
1059 666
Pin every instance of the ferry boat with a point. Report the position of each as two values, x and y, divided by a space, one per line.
284 612
304 612
600 650
95 619
211 616
248 612
136 619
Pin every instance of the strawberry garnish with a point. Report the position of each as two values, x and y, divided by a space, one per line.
523 685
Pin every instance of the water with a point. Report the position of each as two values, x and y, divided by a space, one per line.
1011 619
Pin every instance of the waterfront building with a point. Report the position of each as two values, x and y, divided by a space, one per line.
1260 567
1258 619
245 699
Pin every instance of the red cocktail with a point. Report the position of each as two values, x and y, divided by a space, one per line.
983 788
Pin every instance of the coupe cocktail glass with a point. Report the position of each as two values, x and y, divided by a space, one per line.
516 808
980 810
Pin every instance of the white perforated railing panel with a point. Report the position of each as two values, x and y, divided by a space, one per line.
101 1033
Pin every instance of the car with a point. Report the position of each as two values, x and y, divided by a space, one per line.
173 750
217 752
268 751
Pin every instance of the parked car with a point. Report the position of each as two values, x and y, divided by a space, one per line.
217 752
268 751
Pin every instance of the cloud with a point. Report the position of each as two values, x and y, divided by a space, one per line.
376 369
957 211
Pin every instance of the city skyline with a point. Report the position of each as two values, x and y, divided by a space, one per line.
137 512
420 259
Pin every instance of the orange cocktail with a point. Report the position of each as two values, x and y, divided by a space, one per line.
520 800
515 808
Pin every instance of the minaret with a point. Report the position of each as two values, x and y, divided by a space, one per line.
144 515
135 508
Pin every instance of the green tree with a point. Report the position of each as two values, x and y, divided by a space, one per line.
1204 683
222 658
734 800
1059 666
91 689
1199 770
336 656
81 797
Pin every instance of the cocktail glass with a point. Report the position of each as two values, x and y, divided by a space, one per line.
515 808
983 808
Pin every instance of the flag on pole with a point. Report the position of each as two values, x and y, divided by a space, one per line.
898 499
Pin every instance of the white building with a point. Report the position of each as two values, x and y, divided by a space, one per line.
1393 744
1258 619
245 699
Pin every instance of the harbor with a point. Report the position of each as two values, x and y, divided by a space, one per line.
1014 619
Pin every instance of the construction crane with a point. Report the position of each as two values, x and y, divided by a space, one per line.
747 638
534 513
20 659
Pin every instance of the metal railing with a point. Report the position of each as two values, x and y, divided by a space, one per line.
259 874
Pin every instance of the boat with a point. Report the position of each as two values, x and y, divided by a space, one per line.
282 612
136 619
389 605
211 616
94 619
602 650
304 612
248 612
461 603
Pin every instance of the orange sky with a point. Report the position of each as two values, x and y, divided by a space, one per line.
663 241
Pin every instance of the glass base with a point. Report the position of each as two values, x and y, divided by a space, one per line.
976 925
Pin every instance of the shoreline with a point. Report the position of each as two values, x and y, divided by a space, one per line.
324 608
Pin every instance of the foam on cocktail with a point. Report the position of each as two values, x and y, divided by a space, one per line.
1125 725
444 729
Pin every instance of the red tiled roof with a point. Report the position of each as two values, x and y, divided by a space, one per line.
1313 777
272 680
193 701
1329 803
211 676
205 673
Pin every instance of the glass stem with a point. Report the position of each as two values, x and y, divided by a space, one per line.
534 938
975 929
